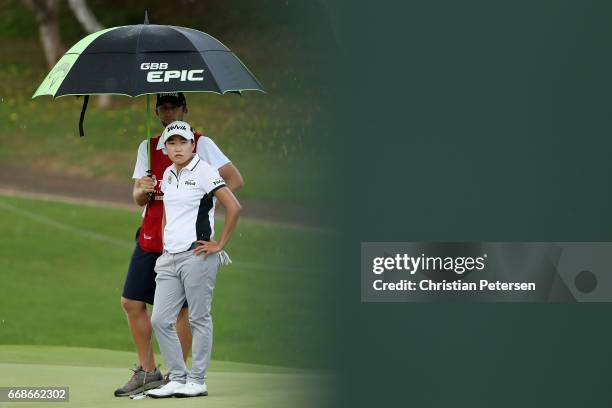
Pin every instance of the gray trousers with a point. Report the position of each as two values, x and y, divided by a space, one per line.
185 276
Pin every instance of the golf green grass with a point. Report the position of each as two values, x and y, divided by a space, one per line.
92 375
62 268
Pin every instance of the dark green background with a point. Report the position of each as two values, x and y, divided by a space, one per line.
472 121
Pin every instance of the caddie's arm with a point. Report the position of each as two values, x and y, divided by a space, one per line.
231 175
142 187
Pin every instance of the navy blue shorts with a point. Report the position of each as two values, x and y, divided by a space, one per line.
140 280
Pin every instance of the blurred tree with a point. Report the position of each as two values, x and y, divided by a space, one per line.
46 12
90 23
84 15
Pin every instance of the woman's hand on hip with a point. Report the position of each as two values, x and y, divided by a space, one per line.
207 248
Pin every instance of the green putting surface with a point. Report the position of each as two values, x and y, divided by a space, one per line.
63 267
93 374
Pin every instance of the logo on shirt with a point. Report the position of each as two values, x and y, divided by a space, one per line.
190 182
218 181
169 179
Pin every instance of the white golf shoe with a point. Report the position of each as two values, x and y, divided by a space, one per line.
191 389
167 391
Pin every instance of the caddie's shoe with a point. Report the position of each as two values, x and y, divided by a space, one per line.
135 384
167 391
191 389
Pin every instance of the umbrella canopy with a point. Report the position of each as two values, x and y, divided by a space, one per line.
146 59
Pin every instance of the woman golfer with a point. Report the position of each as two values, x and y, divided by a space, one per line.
188 267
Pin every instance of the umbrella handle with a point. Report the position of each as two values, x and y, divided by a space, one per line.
149 195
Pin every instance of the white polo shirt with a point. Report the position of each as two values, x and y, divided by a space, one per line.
189 204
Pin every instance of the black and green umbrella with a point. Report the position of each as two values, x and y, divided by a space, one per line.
146 59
